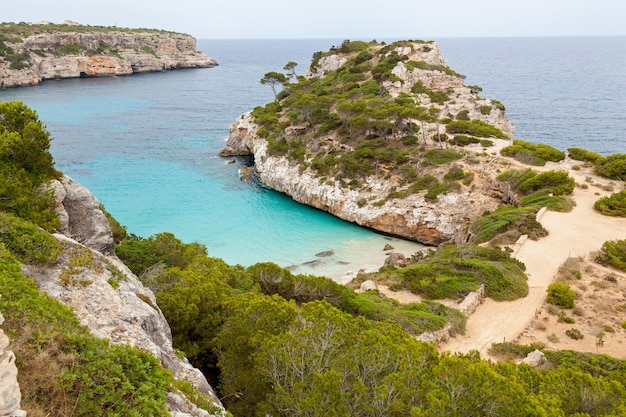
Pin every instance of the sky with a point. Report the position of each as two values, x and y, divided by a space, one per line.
336 19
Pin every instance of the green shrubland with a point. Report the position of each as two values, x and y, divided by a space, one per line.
532 154
613 205
345 125
613 253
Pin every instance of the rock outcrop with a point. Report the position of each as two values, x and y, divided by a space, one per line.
10 395
105 295
82 218
413 217
371 204
59 55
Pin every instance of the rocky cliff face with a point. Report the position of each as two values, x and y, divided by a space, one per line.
105 295
10 396
412 218
73 55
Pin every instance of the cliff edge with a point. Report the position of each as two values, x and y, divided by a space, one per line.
385 136
30 54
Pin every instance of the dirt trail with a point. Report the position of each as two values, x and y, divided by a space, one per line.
577 233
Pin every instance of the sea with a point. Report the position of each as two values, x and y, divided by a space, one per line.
146 145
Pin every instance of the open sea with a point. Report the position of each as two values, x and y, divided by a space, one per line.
146 145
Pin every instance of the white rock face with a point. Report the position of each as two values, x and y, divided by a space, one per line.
10 395
412 218
134 52
81 217
105 295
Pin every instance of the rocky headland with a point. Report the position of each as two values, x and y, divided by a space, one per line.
30 54
373 189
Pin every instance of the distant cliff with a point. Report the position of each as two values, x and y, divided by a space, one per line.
30 54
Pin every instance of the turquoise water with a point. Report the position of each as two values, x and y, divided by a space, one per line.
146 145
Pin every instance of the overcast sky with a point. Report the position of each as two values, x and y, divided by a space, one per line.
353 19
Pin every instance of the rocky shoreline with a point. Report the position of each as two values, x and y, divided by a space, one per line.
47 56
372 205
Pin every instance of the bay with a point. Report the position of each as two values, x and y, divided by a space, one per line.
147 145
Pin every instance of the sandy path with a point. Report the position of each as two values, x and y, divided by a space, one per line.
577 233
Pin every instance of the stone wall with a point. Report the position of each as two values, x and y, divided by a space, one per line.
10 395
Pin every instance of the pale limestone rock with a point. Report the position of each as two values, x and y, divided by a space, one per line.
536 358
125 314
368 285
135 52
396 259
10 395
82 219
412 218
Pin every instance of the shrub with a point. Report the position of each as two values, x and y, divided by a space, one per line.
441 156
613 166
463 140
454 272
613 205
580 154
532 154
560 294
474 128
574 333
486 110
26 241
613 253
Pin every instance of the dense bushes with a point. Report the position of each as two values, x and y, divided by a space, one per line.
537 190
453 272
613 205
584 155
613 253
532 154
560 294
613 166
63 369
26 166
474 128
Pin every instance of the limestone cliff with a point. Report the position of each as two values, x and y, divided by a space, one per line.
31 57
106 296
381 199
10 395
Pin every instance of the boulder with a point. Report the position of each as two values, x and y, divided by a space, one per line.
396 259
368 285
536 358
82 218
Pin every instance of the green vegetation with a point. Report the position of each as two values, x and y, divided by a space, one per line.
455 271
474 128
613 166
63 369
560 294
15 32
584 155
613 205
536 191
532 154
613 253
345 126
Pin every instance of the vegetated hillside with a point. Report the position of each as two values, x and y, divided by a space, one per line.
386 136
284 345
31 53
397 111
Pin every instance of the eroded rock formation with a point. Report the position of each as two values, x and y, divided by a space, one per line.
105 295
96 54
371 204
10 395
